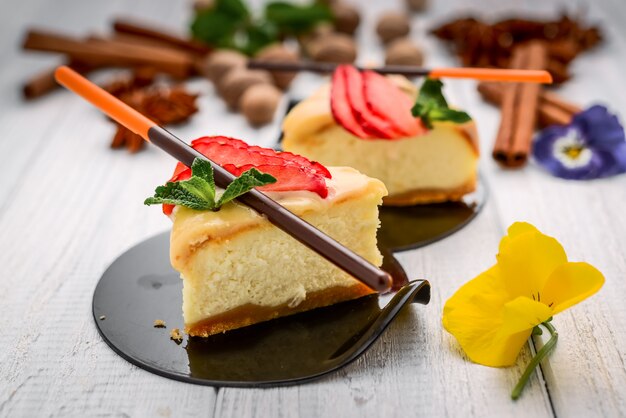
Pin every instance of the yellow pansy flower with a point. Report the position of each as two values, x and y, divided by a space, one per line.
493 315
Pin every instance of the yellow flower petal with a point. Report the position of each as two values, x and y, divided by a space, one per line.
527 259
569 284
522 314
515 230
490 328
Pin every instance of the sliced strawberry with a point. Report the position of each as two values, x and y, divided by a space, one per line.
220 140
340 106
292 172
229 154
386 100
290 177
295 158
371 123
237 143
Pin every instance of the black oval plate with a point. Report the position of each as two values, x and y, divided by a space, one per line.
409 227
141 286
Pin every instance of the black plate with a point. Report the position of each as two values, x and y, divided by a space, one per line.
409 227
141 286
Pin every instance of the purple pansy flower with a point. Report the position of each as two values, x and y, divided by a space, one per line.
592 146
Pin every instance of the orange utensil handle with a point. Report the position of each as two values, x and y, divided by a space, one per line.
110 105
494 74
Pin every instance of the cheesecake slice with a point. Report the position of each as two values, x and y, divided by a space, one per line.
425 166
238 269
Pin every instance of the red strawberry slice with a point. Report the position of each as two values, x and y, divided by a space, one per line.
292 172
340 106
369 121
237 143
290 178
386 100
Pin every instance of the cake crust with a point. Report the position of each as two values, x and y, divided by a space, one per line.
425 196
249 314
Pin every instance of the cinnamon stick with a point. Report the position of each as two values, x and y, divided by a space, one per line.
112 53
519 109
44 82
150 32
552 110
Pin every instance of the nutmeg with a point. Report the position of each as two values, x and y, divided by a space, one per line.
403 51
335 47
347 17
392 25
278 52
308 39
218 63
258 104
417 5
236 82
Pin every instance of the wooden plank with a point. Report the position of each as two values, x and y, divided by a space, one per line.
70 207
585 374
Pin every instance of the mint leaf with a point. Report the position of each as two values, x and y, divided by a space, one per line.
203 169
296 19
201 190
456 116
431 105
244 183
233 8
181 194
198 192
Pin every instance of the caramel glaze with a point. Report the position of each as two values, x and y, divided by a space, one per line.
249 314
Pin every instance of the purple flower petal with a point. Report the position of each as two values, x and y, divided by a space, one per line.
601 129
592 146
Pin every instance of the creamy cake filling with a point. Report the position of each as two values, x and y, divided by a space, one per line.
235 257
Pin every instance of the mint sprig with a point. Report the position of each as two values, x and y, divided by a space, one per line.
198 192
431 105
231 24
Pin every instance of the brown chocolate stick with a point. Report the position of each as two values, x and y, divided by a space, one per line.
111 53
302 231
150 32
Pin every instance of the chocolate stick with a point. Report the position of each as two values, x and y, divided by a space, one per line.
492 74
150 32
302 231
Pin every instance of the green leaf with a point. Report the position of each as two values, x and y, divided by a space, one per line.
233 8
198 192
216 29
256 37
203 169
295 19
177 193
431 105
244 183
200 189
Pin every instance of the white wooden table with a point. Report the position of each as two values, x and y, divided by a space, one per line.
69 205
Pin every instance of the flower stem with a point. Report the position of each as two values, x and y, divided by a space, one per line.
541 354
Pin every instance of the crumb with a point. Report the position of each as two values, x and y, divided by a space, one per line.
176 336
159 323
102 317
